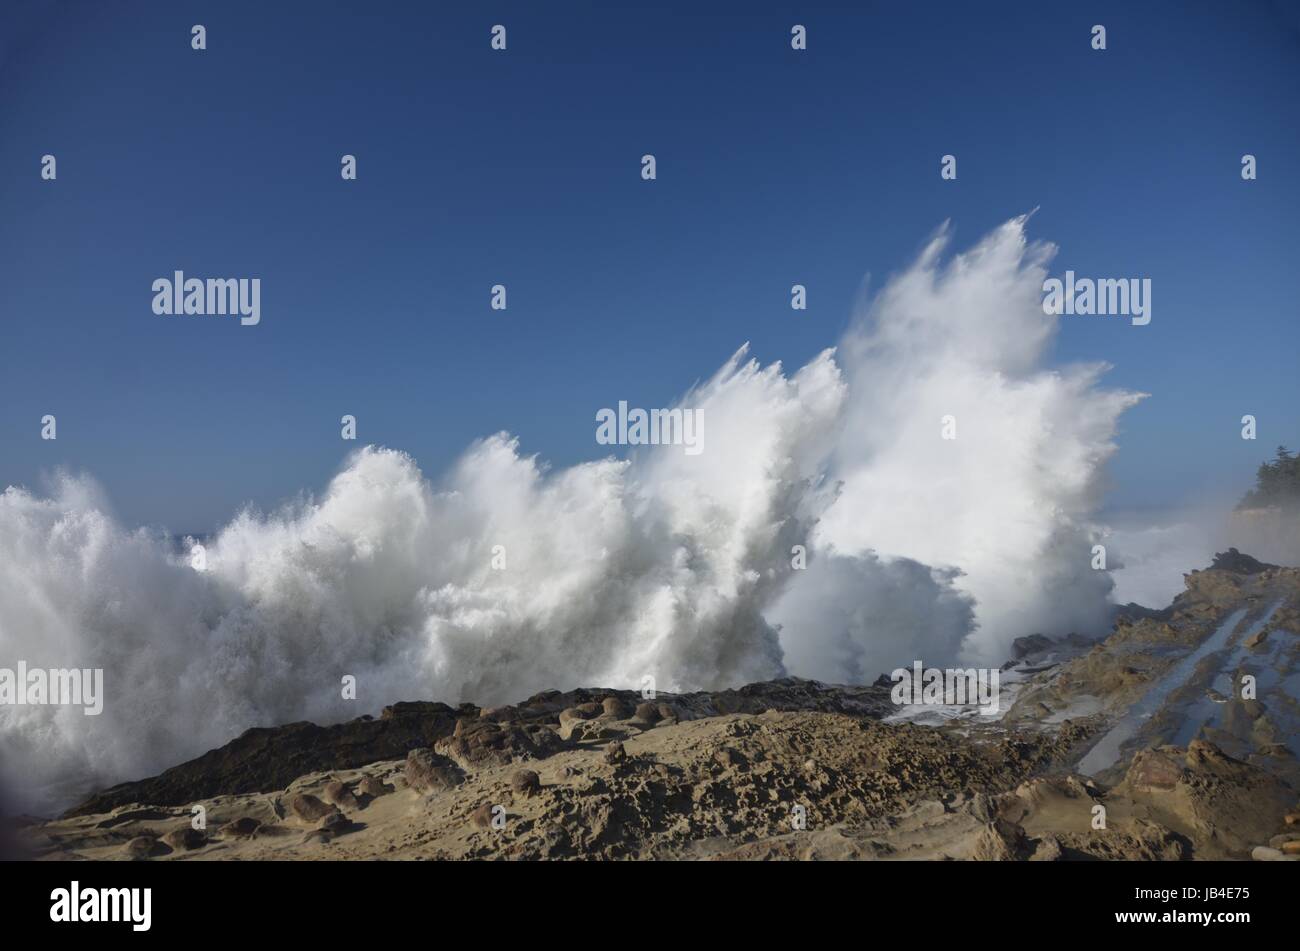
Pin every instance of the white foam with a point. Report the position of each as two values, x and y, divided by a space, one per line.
664 564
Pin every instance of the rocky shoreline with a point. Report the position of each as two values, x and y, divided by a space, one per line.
784 769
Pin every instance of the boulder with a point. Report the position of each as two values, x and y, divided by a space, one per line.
1153 770
484 743
242 828
308 808
615 707
186 839
427 771
373 787
1029 644
141 847
525 782
334 823
339 794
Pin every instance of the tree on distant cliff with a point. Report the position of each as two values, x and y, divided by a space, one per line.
1277 483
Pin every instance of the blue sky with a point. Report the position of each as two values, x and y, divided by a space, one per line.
478 167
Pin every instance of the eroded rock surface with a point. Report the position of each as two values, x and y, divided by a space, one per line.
789 769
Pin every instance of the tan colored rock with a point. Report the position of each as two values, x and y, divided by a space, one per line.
427 771
1152 770
571 718
1047 850
484 743
615 707
526 783
647 713
334 823
242 828
186 839
340 795
373 787
728 757
141 847
308 808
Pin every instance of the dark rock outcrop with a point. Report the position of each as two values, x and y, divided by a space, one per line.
1237 563
1022 647
265 759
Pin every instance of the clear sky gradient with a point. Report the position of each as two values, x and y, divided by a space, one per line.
523 168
